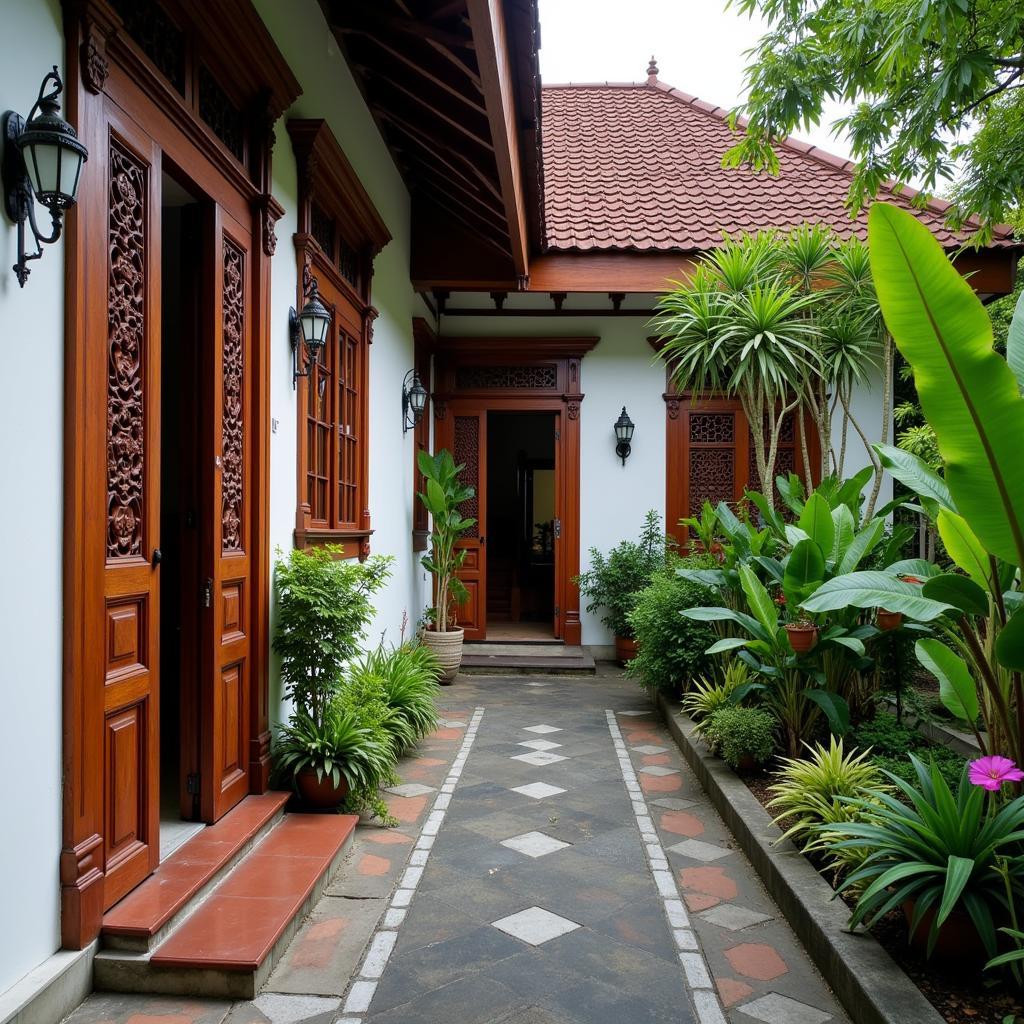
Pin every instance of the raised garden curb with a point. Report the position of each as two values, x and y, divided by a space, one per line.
869 984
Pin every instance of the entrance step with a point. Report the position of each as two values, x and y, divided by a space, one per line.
148 914
526 659
225 942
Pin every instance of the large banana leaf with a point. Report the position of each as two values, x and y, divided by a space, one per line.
805 570
816 521
968 393
874 590
964 547
957 690
915 473
1015 343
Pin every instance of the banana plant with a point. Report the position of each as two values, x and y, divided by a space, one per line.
972 399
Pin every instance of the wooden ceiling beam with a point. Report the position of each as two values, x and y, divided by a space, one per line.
500 244
349 17
453 58
487 20
424 162
470 201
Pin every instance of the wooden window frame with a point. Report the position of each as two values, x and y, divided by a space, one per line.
424 343
329 186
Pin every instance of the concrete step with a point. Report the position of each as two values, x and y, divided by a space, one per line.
151 911
526 659
226 944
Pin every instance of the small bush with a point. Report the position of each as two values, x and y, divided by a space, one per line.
812 791
740 733
708 695
892 744
671 647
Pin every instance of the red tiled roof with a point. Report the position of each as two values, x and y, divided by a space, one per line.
638 167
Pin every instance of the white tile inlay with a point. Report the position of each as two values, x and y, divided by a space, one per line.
542 730
696 970
535 926
658 769
634 713
378 953
672 803
539 757
359 996
289 1009
778 1009
452 723
410 789
697 849
649 748
538 790
540 744
534 844
705 1002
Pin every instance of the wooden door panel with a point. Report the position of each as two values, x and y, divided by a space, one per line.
131 164
469 448
226 446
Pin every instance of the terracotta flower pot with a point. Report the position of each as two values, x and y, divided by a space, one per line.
320 794
625 649
887 620
447 647
801 638
958 941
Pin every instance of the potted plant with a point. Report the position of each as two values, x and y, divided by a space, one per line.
803 635
743 737
323 609
443 496
887 620
614 582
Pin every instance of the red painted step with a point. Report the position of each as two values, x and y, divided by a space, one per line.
237 927
148 908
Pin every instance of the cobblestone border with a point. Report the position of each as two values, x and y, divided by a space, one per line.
870 985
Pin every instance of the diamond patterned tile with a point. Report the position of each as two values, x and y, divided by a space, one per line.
659 769
672 803
534 844
778 1009
410 789
634 714
542 730
538 790
732 916
699 850
540 744
539 757
535 926
649 748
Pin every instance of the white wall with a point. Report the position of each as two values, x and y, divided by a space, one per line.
31 496
619 371
330 92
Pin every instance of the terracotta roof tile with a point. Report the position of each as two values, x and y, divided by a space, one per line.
638 166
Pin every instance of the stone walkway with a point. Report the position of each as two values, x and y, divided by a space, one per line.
555 863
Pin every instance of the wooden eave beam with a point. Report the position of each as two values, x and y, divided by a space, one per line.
347 16
487 20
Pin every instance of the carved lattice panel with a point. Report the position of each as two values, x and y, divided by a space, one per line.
711 477
232 422
712 427
467 454
220 113
126 309
494 378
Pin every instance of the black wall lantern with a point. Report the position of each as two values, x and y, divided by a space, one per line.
42 160
414 401
309 327
623 435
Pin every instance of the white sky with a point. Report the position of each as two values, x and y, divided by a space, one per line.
698 44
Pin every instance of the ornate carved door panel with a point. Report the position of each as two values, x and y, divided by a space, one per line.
228 506
131 614
464 433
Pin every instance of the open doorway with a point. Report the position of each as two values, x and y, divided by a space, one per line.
521 516
180 513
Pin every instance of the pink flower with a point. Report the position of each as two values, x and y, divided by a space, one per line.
992 771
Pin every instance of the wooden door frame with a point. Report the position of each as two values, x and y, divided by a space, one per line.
546 378
103 61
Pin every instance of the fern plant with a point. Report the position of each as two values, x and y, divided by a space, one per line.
709 695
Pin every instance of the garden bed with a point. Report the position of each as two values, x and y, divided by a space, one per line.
877 976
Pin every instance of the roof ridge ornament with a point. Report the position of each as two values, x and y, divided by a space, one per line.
652 72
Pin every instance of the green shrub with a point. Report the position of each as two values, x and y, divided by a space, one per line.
814 792
738 733
405 678
708 695
892 743
614 582
671 648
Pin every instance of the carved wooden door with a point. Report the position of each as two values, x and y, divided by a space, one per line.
468 443
124 308
227 556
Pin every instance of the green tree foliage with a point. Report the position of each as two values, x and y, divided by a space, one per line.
920 73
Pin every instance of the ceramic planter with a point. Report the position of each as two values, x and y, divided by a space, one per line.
625 649
958 941
887 620
801 638
320 794
447 647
